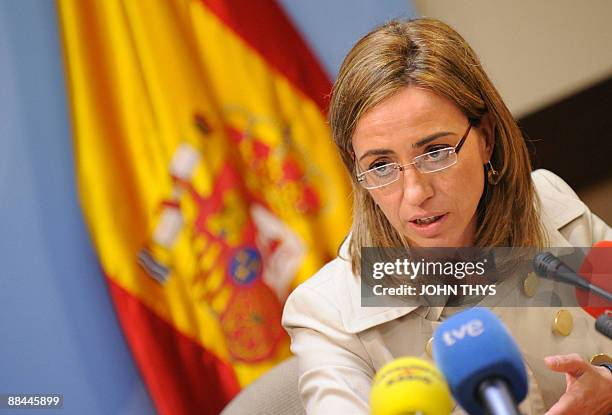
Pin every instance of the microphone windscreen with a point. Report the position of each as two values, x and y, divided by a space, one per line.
473 346
597 269
410 385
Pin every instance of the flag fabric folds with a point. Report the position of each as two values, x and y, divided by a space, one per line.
207 178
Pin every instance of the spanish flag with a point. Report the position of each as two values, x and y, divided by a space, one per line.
207 178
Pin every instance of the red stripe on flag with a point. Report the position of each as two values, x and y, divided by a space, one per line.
263 25
181 376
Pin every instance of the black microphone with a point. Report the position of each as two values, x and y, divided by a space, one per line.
547 265
603 324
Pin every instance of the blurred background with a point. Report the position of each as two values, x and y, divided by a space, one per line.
129 133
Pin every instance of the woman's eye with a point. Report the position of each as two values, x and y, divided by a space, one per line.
378 165
437 153
381 168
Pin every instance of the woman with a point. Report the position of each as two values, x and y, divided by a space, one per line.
436 160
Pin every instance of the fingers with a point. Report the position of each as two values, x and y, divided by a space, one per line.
587 392
572 364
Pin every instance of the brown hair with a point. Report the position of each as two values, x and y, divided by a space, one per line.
429 54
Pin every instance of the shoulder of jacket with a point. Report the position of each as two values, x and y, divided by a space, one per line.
318 296
559 202
327 274
548 182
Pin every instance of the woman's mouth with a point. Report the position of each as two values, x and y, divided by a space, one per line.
428 226
427 221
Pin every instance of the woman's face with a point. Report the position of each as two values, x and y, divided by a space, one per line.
430 209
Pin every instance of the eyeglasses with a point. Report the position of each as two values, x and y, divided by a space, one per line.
430 162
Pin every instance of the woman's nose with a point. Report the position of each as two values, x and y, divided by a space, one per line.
416 186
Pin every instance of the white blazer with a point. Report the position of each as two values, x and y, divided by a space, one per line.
340 345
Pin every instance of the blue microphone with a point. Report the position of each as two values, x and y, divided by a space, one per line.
481 362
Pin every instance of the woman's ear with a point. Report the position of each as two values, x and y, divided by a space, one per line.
487 126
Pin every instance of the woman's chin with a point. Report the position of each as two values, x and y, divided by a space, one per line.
439 241
445 234
433 243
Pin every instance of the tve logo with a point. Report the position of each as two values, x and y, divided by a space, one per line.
472 328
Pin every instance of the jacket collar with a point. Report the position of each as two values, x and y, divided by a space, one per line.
557 211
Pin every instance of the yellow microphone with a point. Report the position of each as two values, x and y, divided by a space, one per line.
410 385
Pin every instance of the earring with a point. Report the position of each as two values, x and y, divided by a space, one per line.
493 176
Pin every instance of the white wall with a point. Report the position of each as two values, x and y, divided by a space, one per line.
536 52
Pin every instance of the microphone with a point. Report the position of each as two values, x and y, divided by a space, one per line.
603 324
549 266
410 386
481 363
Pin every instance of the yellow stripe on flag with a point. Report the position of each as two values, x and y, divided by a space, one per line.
248 90
187 142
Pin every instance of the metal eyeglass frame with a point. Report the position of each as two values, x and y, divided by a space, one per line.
401 168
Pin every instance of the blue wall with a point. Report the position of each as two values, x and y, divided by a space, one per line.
59 333
333 26
58 328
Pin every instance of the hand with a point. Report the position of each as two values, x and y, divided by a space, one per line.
588 388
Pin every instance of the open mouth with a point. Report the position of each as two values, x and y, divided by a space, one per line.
427 221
